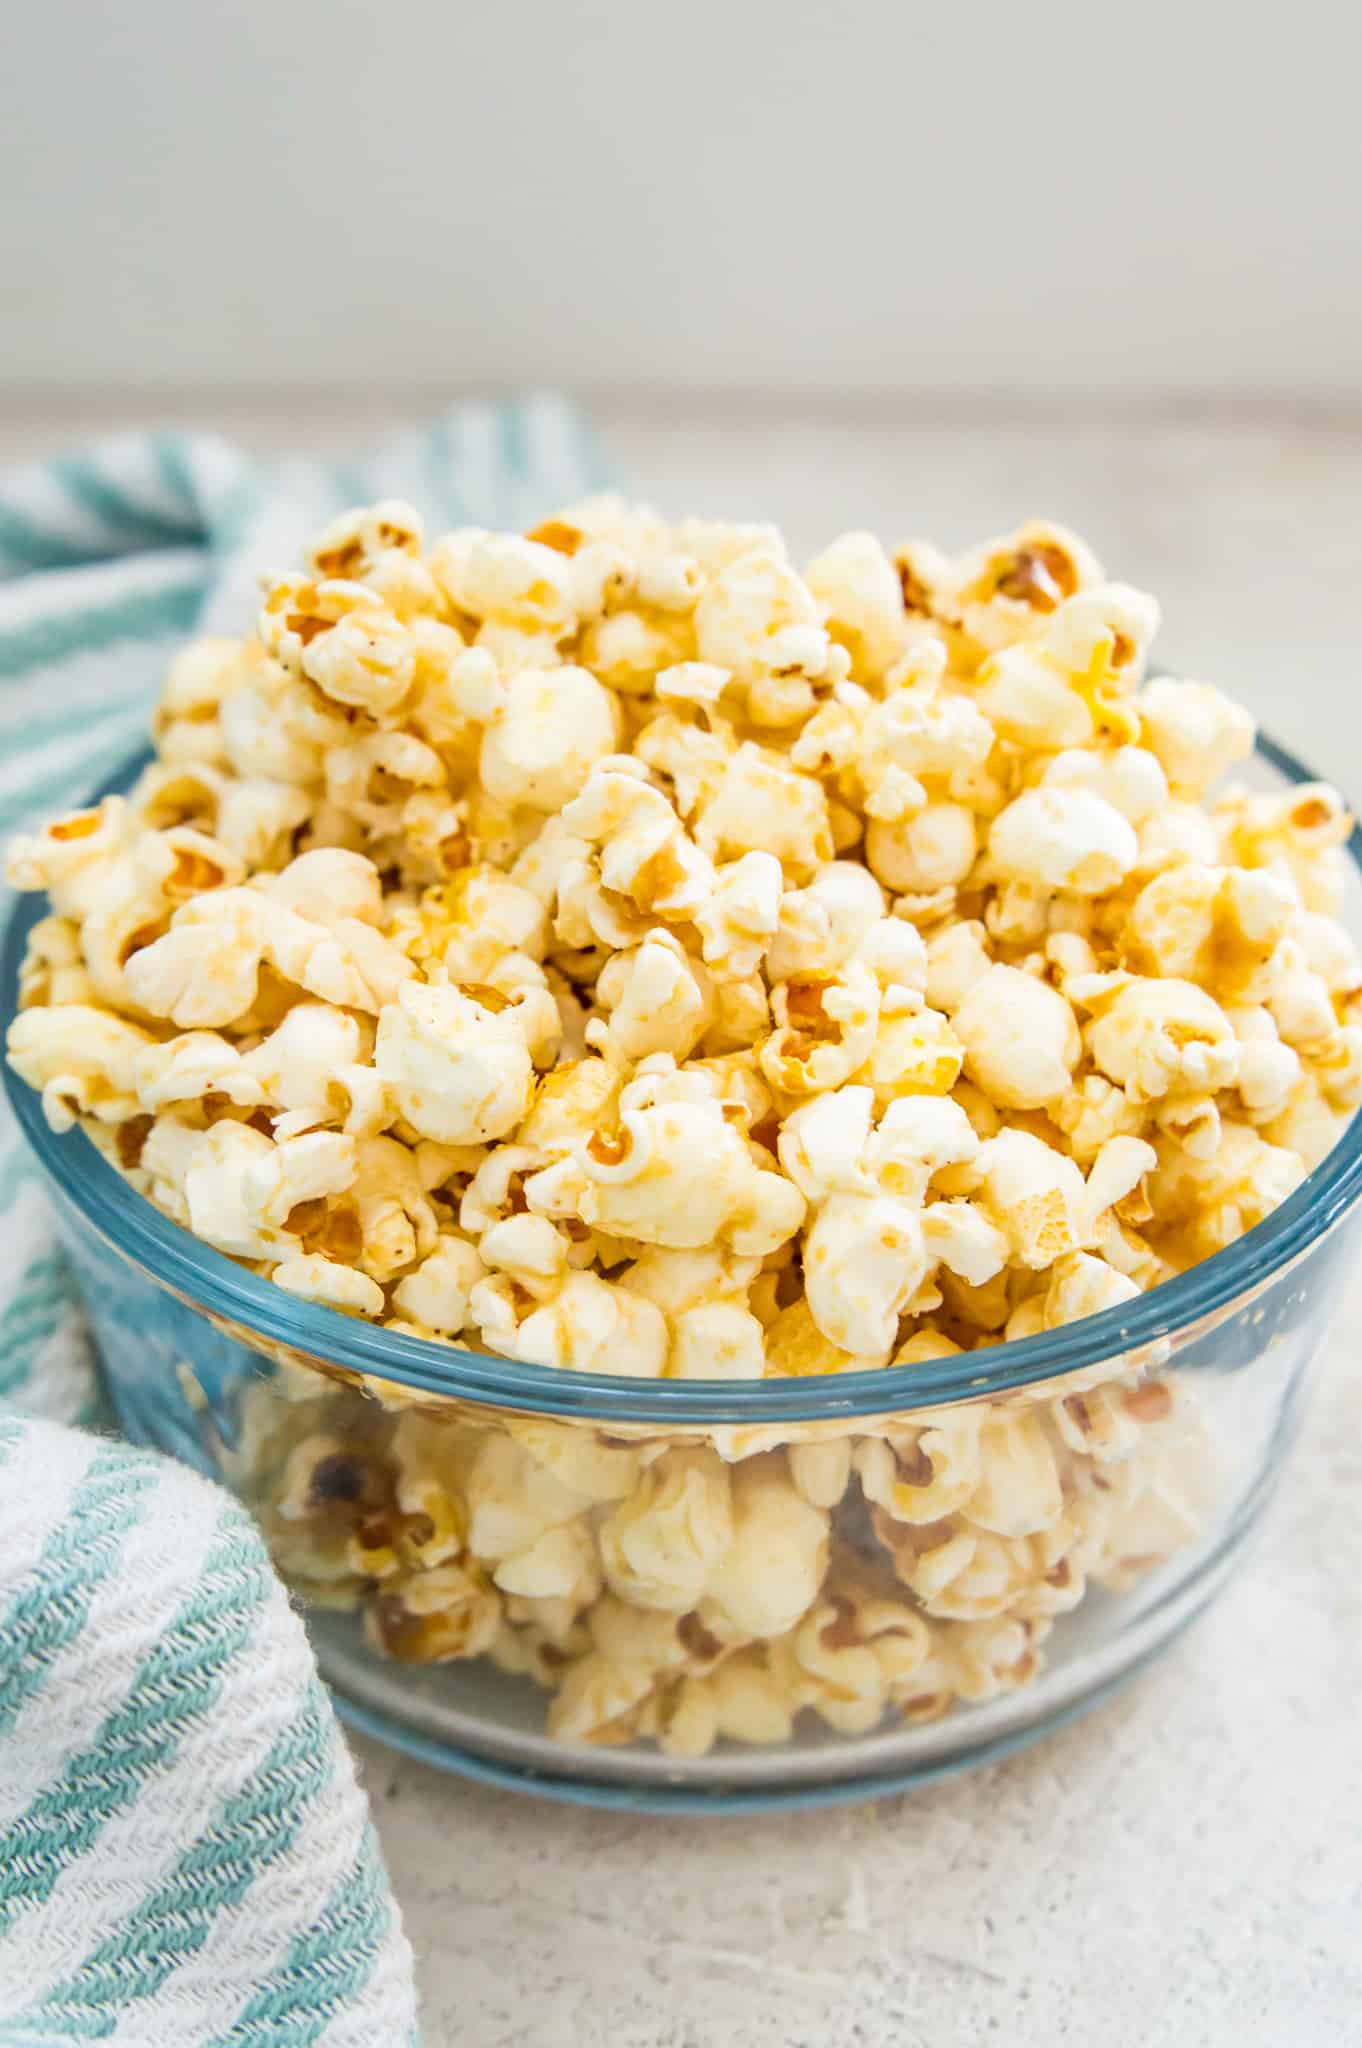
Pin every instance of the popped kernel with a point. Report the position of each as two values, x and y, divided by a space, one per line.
772 1566
82 1060
1155 1038
205 970
1195 730
1020 1037
859 590
759 620
1064 839
678 1174
436 1293
660 1546
551 729
459 1069
931 849
313 1277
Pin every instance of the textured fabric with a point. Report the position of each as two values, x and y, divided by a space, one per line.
185 1856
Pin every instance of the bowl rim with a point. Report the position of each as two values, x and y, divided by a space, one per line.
258 1310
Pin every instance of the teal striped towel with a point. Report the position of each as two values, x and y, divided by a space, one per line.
185 1857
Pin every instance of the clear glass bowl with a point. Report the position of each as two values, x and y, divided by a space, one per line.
1144 1442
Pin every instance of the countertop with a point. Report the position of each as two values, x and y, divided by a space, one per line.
1184 1866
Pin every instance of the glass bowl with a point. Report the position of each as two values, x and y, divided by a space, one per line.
866 1634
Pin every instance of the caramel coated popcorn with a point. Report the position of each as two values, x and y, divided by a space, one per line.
616 950
664 1590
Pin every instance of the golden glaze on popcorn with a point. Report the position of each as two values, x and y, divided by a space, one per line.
614 949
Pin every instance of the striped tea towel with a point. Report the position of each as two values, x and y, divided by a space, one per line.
185 1857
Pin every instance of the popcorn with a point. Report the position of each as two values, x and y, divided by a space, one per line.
1309 1125
821 1471
1196 732
679 1280
596 1699
957 957
717 1340
758 620
850 1653
510 1501
677 1174
276 725
885 755
396 1223
83 1060
52 971
342 637
583 1461
167 1150
762 804
503 576
1020 1037
1083 1286
379 545
71 857
1221 928
932 849
1116 1174
1130 779
772 1567
1269 1070
1031 704
554 725
460 1071
244 1191
1104 632
1018 1493
312 1277
865 1258
644 853
1205 1203
742 916
628 649
194 1065
660 1547
610 948
205 971
315 1068
987 1658
373 777
859 588
585 1326
1156 1038
560 1565
971 1574
823 927
797 1349
922 1475
1034 1195
256 819
825 1030
436 1294
184 723
1002 587
1066 838
438 1616
656 1000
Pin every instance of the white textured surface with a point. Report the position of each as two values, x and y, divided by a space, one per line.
1184 1867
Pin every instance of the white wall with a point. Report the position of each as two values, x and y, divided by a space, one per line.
735 194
